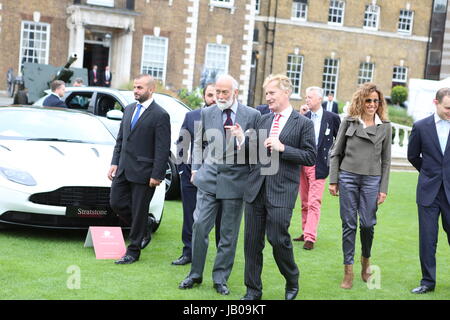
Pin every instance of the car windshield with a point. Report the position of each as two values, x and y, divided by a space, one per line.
52 125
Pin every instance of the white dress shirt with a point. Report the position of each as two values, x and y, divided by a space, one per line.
284 118
443 130
144 107
316 118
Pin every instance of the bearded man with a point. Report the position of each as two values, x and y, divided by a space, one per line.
220 169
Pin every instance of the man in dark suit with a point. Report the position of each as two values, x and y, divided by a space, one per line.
263 108
139 163
185 143
107 77
220 177
330 105
94 76
271 189
312 179
58 88
429 153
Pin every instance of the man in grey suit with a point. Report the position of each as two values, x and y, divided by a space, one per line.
270 196
219 171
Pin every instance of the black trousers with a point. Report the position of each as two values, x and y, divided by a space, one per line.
130 201
261 218
428 235
189 199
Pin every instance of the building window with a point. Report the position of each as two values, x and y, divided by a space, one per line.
106 3
294 72
34 42
365 72
434 57
216 61
336 12
399 75
405 21
330 76
440 6
371 17
154 57
222 3
299 9
256 6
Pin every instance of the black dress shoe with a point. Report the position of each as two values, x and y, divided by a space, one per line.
188 282
148 233
126 259
422 289
291 292
181 261
221 288
250 297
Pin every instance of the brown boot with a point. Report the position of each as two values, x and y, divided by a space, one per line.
365 269
347 283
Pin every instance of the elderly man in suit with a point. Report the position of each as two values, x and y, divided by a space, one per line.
270 194
312 179
221 179
330 105
185 146
139 163
58 88
429 153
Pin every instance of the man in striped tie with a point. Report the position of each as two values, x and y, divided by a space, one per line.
270 196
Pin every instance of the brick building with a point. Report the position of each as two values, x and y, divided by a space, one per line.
180 42
336 44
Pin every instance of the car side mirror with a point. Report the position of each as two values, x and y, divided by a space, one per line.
114 114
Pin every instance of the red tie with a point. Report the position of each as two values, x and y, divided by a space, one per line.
275 132
228 121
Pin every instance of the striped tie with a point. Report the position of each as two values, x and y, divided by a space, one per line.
275 132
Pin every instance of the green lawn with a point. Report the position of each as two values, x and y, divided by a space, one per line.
34 262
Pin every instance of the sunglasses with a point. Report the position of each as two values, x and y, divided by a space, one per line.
376 101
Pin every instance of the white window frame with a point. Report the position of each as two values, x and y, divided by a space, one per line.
366 72
211 64
334 5
299 11
222 3
294 71
371 16
46 49
257 6
147 62
105 3
405 20
400 74
327 82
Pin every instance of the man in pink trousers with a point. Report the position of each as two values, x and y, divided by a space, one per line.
312 179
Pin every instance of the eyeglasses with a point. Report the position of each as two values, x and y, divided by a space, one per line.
376 101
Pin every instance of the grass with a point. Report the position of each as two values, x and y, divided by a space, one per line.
34 263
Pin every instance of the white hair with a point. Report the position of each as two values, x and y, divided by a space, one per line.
234 83
319 90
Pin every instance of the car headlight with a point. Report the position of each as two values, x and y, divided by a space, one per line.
18 176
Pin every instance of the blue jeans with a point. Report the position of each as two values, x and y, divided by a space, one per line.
358 195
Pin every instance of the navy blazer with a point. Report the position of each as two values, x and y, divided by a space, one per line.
334 108
329 127
263 108
186 138
425 154
53 101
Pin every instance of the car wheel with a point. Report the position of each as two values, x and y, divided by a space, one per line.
172 181
155 224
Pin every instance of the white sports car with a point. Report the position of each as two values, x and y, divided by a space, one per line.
53 169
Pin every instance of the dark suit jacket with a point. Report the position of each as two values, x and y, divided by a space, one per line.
300 149
425 154
91 78
263 108
186 138
333 109
142 153
104 80
329 127
53 101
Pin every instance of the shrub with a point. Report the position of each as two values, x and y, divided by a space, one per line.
399 95
193 99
